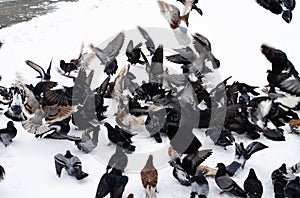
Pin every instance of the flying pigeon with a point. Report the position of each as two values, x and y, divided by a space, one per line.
149 42
108 55
46 76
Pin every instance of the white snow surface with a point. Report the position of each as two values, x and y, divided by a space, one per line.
236 30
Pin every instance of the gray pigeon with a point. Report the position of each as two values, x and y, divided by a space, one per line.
71 163
108 55
226 184
8 133
118 160
88 143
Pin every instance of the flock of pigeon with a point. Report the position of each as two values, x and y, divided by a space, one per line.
166 105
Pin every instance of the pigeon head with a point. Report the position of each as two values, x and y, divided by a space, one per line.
252 174
10 124
68 154
221 166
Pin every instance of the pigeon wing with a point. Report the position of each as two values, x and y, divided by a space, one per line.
254 147
113 48
36 67
60 163
149 42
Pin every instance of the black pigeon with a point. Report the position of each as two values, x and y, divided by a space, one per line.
200 187
7 134
245 153
108 55
67 67
149 42
226 184
292 189
71 163
113 182
253 186
191 161
273 134
43 75
87 142
225 139
279 181
2 173
279 60
284 7
120 137
118 160
134 53
179 172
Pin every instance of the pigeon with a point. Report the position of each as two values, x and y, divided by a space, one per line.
149 42
14 110
67 67
279 181
252 185
134 53
179 172
292 189
245 153
88 143
108 55
2 173
120 137
225 139
8 134
71 163
113 182
275 134
284 7
191 161
118 160
200 187
203 47
149 177
45 76
173 16
194 6
225 183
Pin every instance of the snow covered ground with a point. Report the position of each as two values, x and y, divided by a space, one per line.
236 29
